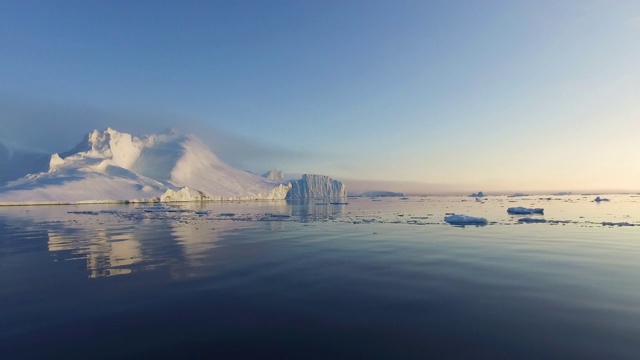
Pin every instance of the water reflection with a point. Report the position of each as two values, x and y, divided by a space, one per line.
107 252
121 239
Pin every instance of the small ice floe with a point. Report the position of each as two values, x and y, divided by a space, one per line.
465 220
524 211
529 220
599 199
608 223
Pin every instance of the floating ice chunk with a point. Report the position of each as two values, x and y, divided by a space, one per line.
478 194
524 211
607 223
599 199
465 220
529 220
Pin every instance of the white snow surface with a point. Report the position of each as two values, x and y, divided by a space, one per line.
110 166
465 220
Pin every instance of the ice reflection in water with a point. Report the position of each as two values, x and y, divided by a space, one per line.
106 252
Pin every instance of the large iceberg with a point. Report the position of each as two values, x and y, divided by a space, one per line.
110 166
317 186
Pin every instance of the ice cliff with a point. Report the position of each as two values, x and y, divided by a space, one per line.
317 186
111 166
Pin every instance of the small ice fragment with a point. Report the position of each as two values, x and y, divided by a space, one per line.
608 223
465 220
524 211
529 220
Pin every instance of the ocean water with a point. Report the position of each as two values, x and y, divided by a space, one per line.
372 279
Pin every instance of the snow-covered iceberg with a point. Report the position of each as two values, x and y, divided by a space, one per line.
465 220
110 166
524 211
317 186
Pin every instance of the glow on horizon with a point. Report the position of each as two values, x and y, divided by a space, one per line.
461 95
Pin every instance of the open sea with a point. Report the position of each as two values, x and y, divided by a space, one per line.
382 278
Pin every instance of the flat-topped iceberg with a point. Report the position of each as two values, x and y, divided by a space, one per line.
316 187
478 194
465 220
381 194
524 211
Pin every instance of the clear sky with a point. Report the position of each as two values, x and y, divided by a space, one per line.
483 95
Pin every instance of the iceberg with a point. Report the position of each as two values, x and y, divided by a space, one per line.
524 211
274 175
111 166
599 199
465 220
317 186
381 194
478 194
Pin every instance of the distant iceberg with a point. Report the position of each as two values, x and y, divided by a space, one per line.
599 199
524 211
381 194
465 220
274 175
478 194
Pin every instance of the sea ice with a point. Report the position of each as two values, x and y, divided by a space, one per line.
465 220
528 220
524 211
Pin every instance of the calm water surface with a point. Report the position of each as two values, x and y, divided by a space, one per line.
370 279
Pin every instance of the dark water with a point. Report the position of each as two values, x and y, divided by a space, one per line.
371 280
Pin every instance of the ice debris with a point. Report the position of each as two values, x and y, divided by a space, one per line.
524 211
528 220
465 220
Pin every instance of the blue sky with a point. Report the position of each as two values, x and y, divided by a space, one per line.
485 95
